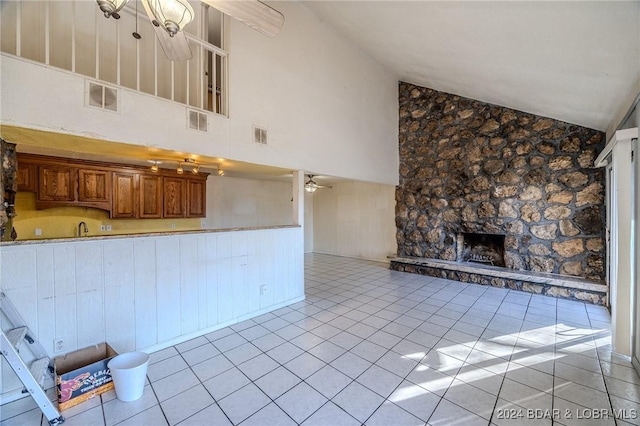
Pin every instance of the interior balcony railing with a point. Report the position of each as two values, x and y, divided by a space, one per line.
75 36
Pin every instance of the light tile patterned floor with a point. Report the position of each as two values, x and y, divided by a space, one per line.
379 347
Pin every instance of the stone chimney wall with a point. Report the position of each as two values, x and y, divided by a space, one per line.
469 166
8 188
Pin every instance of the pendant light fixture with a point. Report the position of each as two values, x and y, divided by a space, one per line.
111 7
172 15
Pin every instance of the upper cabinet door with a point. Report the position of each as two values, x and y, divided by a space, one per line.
26 177
57 183
196 198
175 197
150 197
94 186
124 195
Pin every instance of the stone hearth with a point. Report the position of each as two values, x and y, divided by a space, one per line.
471 167
555 285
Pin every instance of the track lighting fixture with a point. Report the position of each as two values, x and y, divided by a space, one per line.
154 165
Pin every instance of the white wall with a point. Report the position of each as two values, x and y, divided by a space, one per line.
355 219
308 222
328 107
235 202
625 105
148 292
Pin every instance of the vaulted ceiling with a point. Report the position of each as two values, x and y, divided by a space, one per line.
575 61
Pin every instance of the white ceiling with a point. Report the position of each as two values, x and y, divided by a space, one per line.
575 61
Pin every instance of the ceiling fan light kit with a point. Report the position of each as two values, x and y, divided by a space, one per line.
111 7
173 15
169 17
311 185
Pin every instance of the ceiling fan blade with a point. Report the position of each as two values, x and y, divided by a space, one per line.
252 13
175 48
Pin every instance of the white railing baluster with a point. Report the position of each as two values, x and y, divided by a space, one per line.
188 80
155 66
73 36
47 37
224 107
19 29
97 31
224 94
202 77
214 83
137 64
118 52
173 80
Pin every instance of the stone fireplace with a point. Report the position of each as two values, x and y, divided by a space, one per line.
468 167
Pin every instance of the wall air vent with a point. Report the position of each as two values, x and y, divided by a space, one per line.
101 96
197 120
259 135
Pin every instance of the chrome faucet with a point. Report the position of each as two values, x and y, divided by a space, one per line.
81 230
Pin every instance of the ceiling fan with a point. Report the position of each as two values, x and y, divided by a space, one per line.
169 17
312 186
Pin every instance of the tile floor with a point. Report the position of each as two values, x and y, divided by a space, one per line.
379 347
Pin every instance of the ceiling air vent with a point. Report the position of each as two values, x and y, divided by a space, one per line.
197 120
101 96
259 135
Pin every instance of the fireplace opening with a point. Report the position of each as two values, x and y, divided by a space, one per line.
481 248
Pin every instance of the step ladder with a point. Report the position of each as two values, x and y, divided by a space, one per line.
33 376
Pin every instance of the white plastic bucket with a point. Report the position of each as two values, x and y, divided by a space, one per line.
129 371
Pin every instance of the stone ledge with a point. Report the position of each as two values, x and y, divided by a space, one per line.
529 281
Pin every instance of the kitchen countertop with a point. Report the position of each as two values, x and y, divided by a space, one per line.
141 235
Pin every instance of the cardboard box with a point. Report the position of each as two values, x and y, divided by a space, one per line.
83 374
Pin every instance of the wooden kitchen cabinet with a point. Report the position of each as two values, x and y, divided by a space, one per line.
175 197
151 196
125 191
124 200
94 187
196 198
26 177
57 183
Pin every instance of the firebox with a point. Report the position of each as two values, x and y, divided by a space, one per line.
481 248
